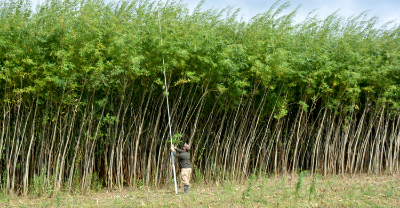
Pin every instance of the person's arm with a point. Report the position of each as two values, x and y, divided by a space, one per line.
179 150
177 155
173 149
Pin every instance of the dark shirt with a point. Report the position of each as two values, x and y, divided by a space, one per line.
184 158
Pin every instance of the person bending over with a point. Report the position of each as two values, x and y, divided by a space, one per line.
184 164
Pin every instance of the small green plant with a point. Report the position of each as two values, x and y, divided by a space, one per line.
140 184
76 185
228 186
38 184
300 182
3 183
96 182
198 177
90 182
7 202
117 200
353 191
283 181
264 182
58 199
313 187
34 186
249 189
50 184
369 191
390 190
176 139
42 185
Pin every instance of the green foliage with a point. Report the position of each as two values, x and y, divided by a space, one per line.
249 188
76 184
228 186
58 200
198 176
140 184
176 139
96 182
177 136
304 106
299 183
390 190
265 180
370 191
86 45
40 184
313 187
3 184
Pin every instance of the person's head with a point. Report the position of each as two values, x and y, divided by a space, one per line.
186 147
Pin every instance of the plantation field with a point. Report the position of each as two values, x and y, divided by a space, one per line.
96 90
287 191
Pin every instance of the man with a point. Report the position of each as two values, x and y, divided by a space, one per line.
184 164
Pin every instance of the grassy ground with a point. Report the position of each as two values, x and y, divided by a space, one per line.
286 191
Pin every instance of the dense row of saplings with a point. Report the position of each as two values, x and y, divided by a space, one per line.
82 103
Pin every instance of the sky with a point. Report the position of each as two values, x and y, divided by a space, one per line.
386 10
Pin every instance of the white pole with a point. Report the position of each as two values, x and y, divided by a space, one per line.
169 124
169 117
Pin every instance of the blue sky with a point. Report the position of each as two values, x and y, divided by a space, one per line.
386 10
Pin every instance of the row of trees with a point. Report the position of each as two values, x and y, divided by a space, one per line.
82 93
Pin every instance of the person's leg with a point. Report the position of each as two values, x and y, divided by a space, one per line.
189 173
185 174
186 189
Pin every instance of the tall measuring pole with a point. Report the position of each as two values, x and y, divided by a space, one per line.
169 117
169 124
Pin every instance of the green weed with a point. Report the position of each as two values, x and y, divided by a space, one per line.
300 182
96 183
140 184
228 187
390 190
313 187
247 191
3 181
198 177
38 185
